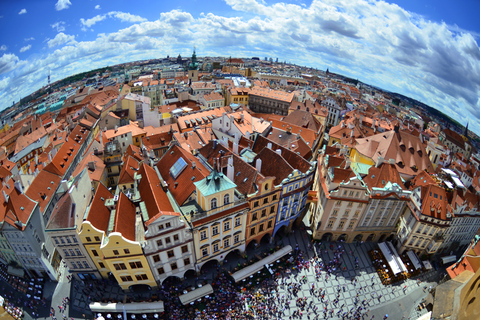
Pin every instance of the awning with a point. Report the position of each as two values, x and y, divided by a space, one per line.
19 272
196 294
449 259
394 261
133 307
427 264
257 266
413 257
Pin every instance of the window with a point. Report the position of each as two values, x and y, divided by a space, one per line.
167 225
236 238
167 240
226 242
215 247
204 252
95 253
127 251
85 265
89 239
203 234
338 203
265 200
226 199
215 230
159 243
136 265
186 261
334 213
184 249
360 205
342 223
274 197
272 209
350 204
175 237
255 204
356 213
213 203
140 277
226 226
97 238
330 223
71 251
254 216
173 266
350 194
120 266
264 213
101 265
161 227
170 253
260 228
346 213
252 231
115 252
65 251
126 278
77 251
269 225
238 221
350 225
156 258
160 270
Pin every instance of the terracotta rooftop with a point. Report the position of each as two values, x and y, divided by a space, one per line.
272 94
91 161
99 216
379 177
125 217
128 170
43 187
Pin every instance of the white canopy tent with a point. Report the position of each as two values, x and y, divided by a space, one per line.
394 261
257 266
413 257
196 294
427 264
133 307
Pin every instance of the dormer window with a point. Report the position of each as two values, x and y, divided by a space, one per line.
226 199
213 203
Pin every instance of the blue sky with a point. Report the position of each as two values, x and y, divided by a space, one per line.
427 50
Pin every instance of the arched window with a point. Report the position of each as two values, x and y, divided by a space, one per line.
266 186
226 199
213 203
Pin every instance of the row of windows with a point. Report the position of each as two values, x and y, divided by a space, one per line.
168 240
170 254
97 239
173 266
216 245
263 214
215 228
341 224
346 213
66 239
133 265
265 200
139 277
350 203
213 202
164 226
72 253
78 265
261 228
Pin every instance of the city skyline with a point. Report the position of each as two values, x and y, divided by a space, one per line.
428 52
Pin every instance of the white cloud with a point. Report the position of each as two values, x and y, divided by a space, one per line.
29 39
8 62
59 26
122 16
3 47
60 39
62 4
26 48
374 41
97 7
23 11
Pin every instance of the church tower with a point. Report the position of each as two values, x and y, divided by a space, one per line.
193 68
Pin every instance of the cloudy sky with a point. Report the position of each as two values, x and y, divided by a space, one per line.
427 49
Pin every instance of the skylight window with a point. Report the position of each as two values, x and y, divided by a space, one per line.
177 168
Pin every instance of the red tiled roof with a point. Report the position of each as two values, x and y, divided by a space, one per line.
378 177
43 187
99 214
125 217
184 181
128 170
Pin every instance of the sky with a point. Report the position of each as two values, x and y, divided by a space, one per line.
427 50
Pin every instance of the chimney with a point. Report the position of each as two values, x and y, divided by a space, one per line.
49 157
247 135
379 162
194 165
232 119
116 128
91 165
5 195
279 151
258 165
242 117
361 119
36 158
18 186
64 184
230 169
269 145
237 137
351 133
347 164
235 148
